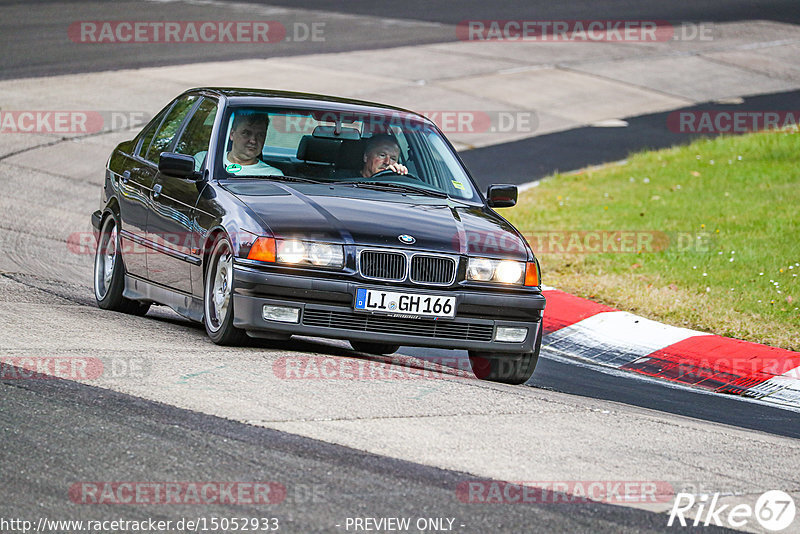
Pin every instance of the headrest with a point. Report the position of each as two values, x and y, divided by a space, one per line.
317 150
351 155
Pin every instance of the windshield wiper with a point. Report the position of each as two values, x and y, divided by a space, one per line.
391 186
284 178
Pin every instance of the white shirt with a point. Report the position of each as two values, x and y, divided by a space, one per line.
257 169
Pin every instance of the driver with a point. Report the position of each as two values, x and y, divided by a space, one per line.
382 153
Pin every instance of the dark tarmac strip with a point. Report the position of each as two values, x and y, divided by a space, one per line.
47 41
629 388
455 11
38 42
57 433
531 159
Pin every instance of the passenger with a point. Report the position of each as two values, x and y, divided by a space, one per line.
248 133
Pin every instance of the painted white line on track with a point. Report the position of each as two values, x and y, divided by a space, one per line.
618 337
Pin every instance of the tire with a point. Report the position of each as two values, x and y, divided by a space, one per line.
218 296
506 368
374 348
109 272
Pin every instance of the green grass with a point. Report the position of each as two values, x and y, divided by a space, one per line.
730 207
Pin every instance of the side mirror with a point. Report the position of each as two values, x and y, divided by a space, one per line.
180 165
501 195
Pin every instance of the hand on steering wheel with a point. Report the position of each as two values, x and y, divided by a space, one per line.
387 172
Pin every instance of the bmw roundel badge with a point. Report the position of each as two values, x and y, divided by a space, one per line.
407 239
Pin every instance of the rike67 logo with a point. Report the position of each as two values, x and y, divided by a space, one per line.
774 511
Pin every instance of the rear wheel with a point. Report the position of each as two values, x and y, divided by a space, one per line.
109 273
218 296
374 348
506 368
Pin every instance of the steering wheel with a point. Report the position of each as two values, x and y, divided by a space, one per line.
387 172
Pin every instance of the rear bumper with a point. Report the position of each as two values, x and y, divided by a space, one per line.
326 310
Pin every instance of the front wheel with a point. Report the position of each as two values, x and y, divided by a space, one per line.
218 296
506 368
109 273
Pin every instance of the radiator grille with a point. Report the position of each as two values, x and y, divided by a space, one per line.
393 266
383 265
398 325
433 270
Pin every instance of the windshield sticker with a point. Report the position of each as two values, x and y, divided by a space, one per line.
458 185
233 168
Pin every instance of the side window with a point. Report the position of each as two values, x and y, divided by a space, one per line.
166 133
147 137
197 134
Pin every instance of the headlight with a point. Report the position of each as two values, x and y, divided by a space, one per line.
291 251
509 272
501 271
296 252
323 254
480 269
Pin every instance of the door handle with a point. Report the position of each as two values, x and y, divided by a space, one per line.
126 176
156 190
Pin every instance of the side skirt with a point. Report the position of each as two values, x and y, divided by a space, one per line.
184 304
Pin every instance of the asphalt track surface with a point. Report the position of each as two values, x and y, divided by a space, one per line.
35 41
58 432
555 374
455 11
55 432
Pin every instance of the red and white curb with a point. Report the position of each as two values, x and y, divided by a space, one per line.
587 330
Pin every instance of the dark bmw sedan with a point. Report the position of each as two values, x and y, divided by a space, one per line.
268 214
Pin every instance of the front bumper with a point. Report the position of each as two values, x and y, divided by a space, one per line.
97 219
326 310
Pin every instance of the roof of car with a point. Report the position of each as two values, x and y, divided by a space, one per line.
240 95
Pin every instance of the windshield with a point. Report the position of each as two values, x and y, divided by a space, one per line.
392 152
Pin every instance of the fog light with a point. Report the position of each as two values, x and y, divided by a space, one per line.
511 334
282 314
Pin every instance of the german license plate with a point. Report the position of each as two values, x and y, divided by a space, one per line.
421 305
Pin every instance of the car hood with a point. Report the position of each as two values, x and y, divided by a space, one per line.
377 218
